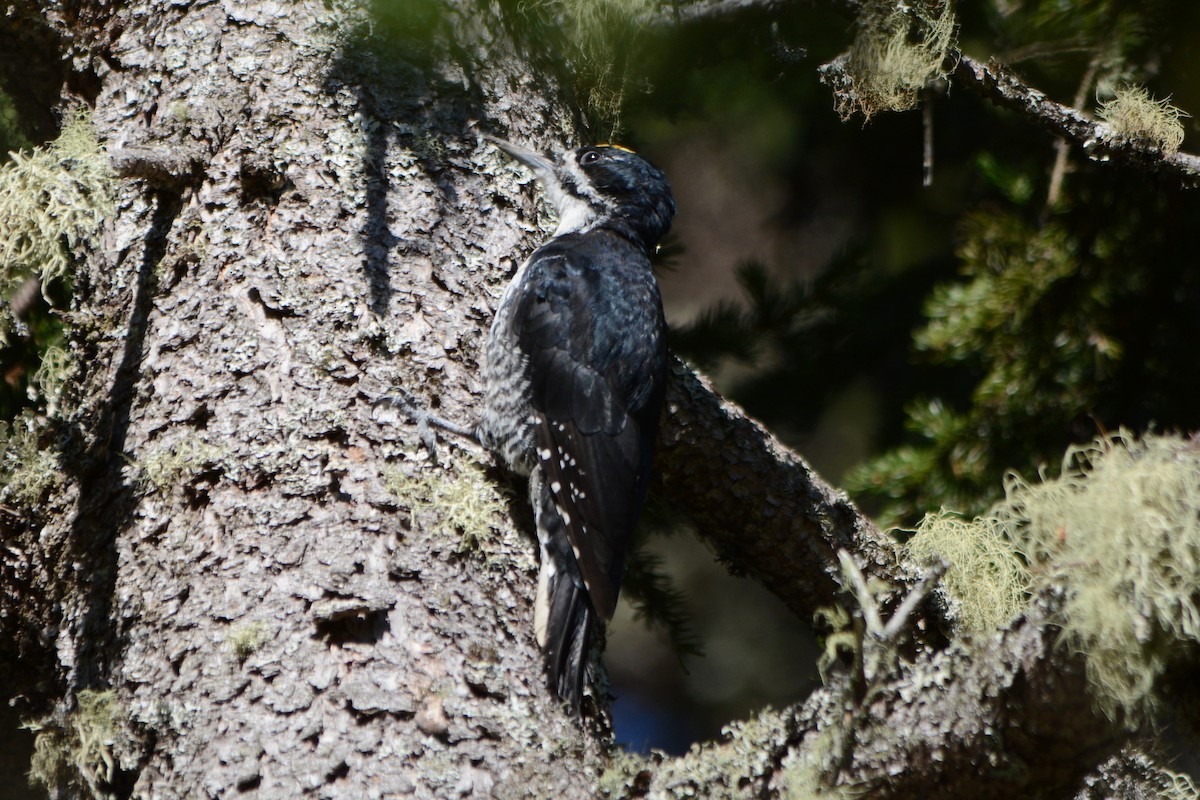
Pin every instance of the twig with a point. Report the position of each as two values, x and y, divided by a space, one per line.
1061 146
915 598
1002 87
1097 139
927 127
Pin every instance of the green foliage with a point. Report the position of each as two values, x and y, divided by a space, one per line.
1038 324
989 325
768 318
52 199
657 602
783 348
600 36
1058 36
897 50
1135 114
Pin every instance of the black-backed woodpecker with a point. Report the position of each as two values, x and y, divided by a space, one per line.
575 367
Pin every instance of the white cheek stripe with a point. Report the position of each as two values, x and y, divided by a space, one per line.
574 215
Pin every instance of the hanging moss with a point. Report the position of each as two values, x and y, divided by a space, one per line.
52 199
1134 114
987 581
1120 529
29 466
897 50
78 755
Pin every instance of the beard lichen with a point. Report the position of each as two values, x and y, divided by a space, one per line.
53 198
458 496
987 583
78 755
1134 114
1120 530
898 49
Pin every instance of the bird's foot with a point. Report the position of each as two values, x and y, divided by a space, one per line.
425 420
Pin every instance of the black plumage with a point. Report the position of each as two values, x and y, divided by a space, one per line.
575 372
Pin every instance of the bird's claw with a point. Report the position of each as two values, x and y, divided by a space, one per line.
400 399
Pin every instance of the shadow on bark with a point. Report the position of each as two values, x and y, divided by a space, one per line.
410 102
106 500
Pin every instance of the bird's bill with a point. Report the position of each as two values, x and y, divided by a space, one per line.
541 166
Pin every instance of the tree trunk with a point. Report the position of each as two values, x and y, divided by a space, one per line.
255 579
283 592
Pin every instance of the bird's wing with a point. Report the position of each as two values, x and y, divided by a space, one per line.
591 448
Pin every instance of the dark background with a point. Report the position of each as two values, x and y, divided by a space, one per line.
806 260
803 261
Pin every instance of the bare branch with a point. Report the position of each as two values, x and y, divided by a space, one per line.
1134 775
862 593
900 618
763 510
709 9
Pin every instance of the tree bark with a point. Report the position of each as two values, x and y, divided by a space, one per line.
279 590
309 223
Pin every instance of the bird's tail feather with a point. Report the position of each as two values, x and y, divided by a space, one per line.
563 614
568 634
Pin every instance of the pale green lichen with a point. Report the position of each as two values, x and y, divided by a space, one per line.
1180 786
898 49
622 774
809 771
843 636
245 640
79 753
29 467
54 373
461 497
52 199
987 581
1120 530
166 468
1134 114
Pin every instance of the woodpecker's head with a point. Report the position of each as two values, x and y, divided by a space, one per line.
603 186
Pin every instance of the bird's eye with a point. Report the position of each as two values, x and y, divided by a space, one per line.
589 157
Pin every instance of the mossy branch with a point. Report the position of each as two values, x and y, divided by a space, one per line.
1099 140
